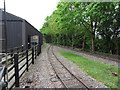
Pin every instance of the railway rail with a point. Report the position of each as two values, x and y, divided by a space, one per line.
67 78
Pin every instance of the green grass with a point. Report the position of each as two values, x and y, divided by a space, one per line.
100 71
44 44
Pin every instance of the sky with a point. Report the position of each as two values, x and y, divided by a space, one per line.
34 11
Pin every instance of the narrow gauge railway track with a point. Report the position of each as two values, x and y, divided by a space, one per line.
67 78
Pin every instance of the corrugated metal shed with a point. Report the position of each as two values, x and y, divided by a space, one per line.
19 32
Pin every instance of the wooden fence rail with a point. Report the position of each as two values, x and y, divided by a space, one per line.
21 63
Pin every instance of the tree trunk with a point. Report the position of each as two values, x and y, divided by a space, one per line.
93 44
58 40
72 41
83 43
93 27
117 49
64 39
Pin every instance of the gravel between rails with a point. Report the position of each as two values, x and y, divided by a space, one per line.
43 76
68 79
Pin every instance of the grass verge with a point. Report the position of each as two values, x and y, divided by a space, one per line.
44 44
100 71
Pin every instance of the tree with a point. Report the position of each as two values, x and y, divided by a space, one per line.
92 25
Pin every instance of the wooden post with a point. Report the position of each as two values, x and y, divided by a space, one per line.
27 60
12 56
16 70
39 49
35 52
11 53
18 50
32 55
22 50
5 74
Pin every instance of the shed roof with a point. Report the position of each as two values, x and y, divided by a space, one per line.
9 16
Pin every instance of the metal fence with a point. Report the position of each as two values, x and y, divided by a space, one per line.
20 63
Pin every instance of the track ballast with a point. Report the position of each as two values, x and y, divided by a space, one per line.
67 78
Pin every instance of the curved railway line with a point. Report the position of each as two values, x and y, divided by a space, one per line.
64 75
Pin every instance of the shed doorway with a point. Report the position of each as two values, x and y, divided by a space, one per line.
29 41
34 40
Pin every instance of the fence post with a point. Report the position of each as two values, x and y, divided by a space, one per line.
38 50
16 70
22 50
37 47
4 76
35 52
11 53
32 55
12 56
27 60
18 50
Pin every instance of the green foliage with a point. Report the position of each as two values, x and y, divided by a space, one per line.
91 25
101 72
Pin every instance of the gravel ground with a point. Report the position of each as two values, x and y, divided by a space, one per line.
42 75
91 57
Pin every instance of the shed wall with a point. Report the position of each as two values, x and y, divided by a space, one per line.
31 31
18 31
